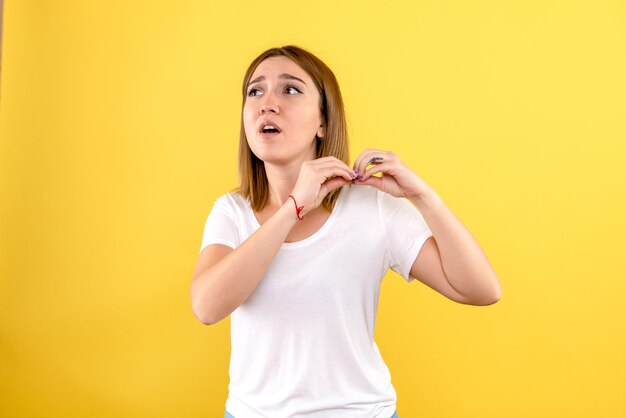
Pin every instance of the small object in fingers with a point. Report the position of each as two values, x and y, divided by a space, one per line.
375 160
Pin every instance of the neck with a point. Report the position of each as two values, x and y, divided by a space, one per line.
282 179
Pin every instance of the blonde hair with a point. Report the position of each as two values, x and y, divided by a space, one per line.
253 180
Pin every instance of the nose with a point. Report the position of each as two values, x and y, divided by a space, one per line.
269 103
269 108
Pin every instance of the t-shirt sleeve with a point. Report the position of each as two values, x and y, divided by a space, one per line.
220 226
405 232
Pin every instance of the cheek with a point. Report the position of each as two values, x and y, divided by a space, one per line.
248 122
312 111
313 117
308 115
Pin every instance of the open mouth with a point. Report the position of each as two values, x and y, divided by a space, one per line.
268 129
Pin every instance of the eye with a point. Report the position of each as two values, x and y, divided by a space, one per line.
293 88
251 91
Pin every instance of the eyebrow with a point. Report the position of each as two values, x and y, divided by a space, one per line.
284 76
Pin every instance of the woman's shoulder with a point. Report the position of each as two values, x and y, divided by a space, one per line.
232 202
231 197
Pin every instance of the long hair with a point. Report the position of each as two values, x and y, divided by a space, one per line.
253 180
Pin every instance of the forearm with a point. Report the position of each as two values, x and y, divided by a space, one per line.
225 286
464 262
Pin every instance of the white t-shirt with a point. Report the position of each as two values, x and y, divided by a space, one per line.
302 344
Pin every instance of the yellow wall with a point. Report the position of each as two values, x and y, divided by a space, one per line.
119 123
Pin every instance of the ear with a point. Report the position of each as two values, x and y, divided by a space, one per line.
320 131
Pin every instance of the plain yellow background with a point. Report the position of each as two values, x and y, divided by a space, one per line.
119 126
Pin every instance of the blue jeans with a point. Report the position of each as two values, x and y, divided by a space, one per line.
228 415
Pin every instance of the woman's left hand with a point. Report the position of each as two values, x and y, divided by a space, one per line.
396 178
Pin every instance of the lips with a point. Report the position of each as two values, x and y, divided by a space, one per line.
268 127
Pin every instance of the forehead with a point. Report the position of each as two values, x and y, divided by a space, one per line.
273 66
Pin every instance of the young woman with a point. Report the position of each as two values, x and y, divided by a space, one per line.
298 253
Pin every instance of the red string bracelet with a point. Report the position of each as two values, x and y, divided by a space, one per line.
298 208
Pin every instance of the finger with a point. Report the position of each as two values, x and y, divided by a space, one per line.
375 160
381 168
372 181
337 168
332 172
335 162
368 158
365 159
333 184
324 170
330 176
359 158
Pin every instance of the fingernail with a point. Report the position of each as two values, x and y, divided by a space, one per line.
356 171
360 178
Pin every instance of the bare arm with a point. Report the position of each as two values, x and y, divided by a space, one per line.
461 271
218 290
224 278
453 262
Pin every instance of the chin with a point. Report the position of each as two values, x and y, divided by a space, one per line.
277 155
266 156
274 159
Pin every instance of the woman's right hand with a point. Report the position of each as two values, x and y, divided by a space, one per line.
319 177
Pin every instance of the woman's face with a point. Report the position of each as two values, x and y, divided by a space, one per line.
282 94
